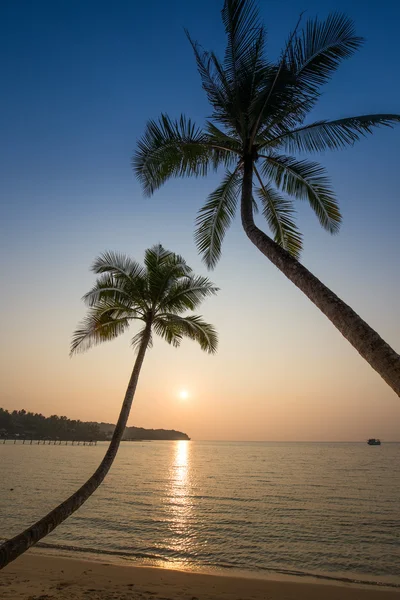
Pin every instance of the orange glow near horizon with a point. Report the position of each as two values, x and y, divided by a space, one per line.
282 371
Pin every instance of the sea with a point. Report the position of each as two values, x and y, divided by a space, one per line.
325 510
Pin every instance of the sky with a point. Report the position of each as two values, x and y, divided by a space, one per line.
80 80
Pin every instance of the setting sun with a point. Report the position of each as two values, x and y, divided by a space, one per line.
183 394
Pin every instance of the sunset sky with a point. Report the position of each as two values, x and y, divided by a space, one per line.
80 79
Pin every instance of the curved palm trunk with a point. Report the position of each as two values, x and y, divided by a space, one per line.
365 340
11 549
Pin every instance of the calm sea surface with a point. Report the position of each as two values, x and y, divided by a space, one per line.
325 509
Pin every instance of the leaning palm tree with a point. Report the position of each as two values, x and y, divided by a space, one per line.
259 111
157 295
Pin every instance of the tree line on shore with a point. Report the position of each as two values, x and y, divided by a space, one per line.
35 425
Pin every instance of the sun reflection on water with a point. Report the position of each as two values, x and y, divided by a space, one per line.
180 466
180 504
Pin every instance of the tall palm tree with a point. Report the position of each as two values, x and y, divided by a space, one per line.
157 295
259 111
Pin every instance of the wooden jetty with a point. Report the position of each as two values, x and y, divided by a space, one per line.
48 442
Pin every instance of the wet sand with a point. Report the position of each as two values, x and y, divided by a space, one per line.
36 576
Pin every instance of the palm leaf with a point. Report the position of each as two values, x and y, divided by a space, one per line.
331 135
114 310
168 331
242 26
215 217
118 265
279 104
317 52
171 149
164 268
187 294
156 256
212 79
309 60
217 87
305 180
279 213
97 327
107 287
138 338
174 328
124 273
255 63
227 146
225 140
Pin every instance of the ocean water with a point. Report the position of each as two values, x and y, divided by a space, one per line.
330 510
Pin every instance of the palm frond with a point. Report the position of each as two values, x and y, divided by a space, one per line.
276 94
171 149
168 330
118 308
213 79
227 146
174 328
118 265
220 138
215 217
107 287
309 60
250 82
305 180
242 27
319 49
231 99
255 63
97 327
220 93
279 213
331 135
156 256
255 206
187 294
164 268
125 274
279 104
138 338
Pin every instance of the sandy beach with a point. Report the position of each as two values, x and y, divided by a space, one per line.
40 577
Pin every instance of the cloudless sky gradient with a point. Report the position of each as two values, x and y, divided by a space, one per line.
79 81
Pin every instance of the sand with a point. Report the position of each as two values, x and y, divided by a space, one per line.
37 576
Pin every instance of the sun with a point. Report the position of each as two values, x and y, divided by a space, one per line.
183 394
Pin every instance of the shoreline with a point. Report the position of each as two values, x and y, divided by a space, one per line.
127 559
39 574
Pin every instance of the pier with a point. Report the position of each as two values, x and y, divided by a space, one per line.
46 442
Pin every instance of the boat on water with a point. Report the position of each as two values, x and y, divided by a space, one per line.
374 442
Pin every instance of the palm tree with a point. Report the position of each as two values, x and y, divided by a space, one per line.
259 110
157 295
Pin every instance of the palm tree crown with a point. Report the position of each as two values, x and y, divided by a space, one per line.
156 294
259 111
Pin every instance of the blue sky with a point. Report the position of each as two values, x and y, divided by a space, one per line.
80 79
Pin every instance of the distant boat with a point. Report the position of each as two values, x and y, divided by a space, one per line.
374 442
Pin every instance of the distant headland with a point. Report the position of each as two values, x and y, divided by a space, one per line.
23 424
139 433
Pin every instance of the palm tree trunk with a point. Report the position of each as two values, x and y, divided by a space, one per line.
11 549
365 340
